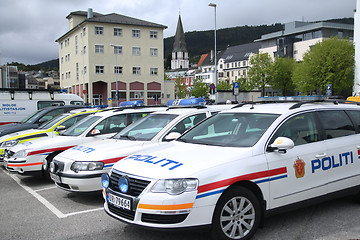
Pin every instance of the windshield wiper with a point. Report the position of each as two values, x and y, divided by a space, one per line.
128 137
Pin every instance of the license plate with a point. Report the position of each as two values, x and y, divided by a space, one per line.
55 178
119 202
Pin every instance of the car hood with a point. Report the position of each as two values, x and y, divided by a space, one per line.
105 149
21 133
177 159
15 127
54 141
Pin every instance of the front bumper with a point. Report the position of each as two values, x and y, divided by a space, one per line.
78 182
161 215
24 165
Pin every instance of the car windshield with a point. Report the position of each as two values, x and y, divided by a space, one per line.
33 117
52 122
146 128
81 126
230 129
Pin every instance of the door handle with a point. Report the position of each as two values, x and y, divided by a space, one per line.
320 155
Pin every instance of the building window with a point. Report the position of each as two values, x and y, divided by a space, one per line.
136 51
62 76
99 69
62 59
99 30
77 71
153 34
136 70
137 95
99 48
118 70
153 71
136 33
118 32
244 72
117 49
76 44
84 31
61 45
153 52
84 50
85 70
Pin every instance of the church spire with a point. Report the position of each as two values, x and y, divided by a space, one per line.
179 43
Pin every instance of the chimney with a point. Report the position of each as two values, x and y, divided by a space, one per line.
90 13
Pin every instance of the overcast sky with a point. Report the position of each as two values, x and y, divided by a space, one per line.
28 29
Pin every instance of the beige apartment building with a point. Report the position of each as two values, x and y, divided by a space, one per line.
102 55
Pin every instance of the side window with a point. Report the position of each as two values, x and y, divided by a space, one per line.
112 124
71 121
50 115
300 128
133 117
355 116
43 104
336 124
188 122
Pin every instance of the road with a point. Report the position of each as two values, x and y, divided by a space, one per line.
34 208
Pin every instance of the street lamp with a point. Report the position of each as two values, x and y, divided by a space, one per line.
215 69
116 83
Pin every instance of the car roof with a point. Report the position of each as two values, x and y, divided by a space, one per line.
291 107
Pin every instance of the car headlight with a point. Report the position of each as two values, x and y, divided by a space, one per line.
175 186
9 143
21 154
86 166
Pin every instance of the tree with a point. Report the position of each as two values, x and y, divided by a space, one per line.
281 72
259 71
223 85
199 88
328 62
244 85
180 88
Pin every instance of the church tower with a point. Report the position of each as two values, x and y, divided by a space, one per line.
180 56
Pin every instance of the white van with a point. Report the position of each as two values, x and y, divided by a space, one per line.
16 104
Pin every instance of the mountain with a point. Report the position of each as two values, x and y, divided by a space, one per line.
200 42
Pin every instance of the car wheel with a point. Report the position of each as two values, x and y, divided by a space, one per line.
237 214
46 165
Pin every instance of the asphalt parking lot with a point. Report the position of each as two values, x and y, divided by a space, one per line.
34 208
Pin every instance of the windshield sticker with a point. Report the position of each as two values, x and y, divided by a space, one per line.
164 162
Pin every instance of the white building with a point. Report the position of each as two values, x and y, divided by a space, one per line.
103 56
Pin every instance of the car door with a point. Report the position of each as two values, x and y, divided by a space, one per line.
342 162
300 182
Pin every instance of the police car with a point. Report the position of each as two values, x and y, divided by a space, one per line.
79 168
235 167
34 157
51 127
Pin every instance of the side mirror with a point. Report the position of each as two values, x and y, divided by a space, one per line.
172 136
60 128
95 132
282 144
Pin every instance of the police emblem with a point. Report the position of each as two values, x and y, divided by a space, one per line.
299 166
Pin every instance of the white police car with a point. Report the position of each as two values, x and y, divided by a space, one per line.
70 166
238 165
34 157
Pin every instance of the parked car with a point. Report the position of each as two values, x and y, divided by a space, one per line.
237 166
79 168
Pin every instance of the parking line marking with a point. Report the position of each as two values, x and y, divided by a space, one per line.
45 202
43 189
85 211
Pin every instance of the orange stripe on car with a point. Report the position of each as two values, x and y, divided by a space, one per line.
24 165
165 207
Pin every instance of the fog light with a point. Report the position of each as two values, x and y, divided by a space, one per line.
105 180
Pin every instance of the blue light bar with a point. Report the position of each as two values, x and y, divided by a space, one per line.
135 103
187 102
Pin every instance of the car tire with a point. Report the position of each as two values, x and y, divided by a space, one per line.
46 172
237 215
